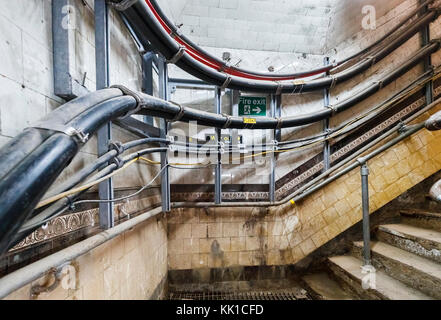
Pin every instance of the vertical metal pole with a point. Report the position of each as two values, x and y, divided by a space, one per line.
272 182
425 34
147 79
218 172
326 146
278 114
102 81
365 205
165 177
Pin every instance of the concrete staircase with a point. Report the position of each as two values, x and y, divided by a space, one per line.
406 256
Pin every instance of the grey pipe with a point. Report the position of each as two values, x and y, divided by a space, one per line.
364 171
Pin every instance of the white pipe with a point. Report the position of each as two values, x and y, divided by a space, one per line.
36 270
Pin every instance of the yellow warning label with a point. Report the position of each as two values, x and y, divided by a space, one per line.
293 202
249 120
299 82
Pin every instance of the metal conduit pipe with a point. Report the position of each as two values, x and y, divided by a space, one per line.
36 270
434 122
169 111
292 76
143 22
59 206
435 191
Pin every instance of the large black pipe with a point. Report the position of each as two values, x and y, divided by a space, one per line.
144 22
365 51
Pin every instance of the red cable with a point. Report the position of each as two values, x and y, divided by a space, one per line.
208 61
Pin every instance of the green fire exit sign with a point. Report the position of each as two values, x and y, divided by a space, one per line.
252 106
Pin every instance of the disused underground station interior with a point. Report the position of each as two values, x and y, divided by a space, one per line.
220 149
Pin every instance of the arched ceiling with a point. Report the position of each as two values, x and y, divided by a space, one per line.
301 26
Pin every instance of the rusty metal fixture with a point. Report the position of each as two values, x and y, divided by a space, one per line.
48 286
435 191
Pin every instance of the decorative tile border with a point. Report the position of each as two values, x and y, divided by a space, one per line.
68 223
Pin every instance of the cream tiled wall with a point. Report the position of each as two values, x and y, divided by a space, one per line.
216 238
131 266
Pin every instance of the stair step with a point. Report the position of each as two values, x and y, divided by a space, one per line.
420 241
423 219
322 287
415 271
387 288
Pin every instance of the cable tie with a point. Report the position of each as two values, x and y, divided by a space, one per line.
122 5
177 56
228 122
226 83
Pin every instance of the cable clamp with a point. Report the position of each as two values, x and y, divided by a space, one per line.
228 122
180 114
373 58
224 67
117 146
122 5
71 131
279 89
170 139
176 33
118 162
226 83
332 108
333 82
128 92
279 123
177 56
380 83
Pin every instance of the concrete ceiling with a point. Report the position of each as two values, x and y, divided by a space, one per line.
302 26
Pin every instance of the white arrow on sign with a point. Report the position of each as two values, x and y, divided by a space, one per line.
258 110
